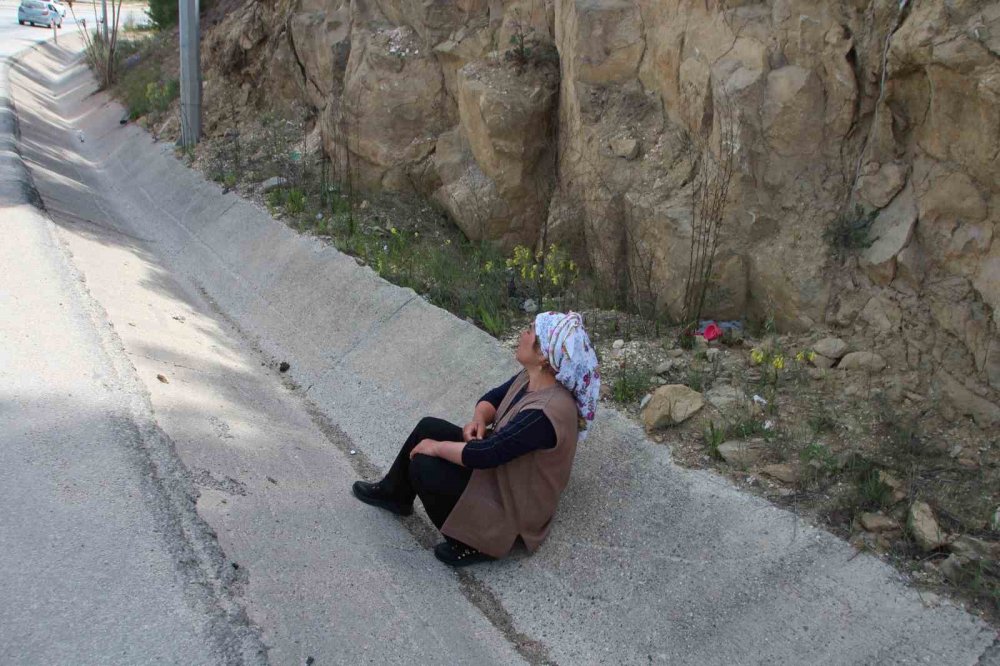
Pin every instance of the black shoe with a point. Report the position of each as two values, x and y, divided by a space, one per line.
457 554
372 493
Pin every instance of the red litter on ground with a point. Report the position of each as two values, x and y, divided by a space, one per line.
712 332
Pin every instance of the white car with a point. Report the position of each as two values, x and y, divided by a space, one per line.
38 13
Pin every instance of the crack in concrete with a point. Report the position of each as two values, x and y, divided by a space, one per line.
369 333
211 584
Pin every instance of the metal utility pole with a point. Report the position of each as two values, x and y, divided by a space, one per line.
104 18
190 73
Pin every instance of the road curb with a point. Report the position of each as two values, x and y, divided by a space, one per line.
16 185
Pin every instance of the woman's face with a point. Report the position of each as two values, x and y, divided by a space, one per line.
529 352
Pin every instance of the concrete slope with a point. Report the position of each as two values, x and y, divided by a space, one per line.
319 577
647 562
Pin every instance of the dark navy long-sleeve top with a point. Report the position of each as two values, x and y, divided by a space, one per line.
529 430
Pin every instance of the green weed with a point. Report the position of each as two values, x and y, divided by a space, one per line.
629 385
714 437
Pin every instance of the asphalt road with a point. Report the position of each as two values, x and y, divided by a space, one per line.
15 37
99 562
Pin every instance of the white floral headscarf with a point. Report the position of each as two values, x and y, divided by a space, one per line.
568 349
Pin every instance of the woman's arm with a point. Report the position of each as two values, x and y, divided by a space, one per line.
529 431
450 451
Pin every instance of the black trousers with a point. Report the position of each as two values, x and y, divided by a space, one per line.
437 482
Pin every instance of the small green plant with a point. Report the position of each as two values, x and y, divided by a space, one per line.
685 339
695 379
295 203
292 200
818 460
901 432
545 274
629 385
520 38
745 426
162 14
871 492
160 94
849 232
820 419
714 437
492 318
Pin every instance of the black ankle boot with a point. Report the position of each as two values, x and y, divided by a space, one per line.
457 554
374 494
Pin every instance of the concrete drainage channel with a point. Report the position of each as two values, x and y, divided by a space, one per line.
647 562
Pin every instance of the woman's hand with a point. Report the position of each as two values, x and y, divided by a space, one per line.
427 447
474 429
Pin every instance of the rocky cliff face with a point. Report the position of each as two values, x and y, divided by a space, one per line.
595 132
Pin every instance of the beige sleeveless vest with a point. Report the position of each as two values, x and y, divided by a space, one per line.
518 498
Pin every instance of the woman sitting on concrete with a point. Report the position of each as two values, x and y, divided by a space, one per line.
501 475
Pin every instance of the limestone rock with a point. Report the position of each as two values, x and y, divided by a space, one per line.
667 366
952 568
862 361
618 344
877 522
625 147
832 348
670 405
393 102
877 189
972 549
322 41
741 453
984 412
416 95
272 184
911 265
882 314
890 233
608 39
924 527
782 472
823 362
794 97
495 174
724 397
897 486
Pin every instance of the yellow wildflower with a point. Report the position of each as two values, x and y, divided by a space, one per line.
812 356
778 362
394 231
488 267
757 356
801 356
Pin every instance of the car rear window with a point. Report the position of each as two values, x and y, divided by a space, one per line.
32 4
